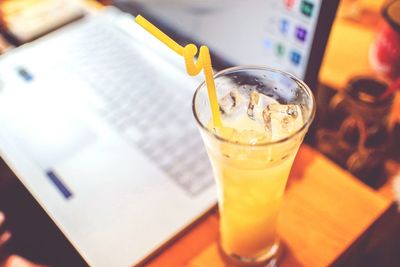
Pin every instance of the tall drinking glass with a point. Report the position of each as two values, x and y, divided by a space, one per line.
265 115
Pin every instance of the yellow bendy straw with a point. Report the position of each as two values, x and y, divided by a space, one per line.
189 52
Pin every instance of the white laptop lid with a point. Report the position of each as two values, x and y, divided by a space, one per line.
275 33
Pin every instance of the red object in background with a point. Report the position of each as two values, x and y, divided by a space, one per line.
289 3
385 52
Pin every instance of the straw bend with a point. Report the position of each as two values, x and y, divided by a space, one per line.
189 54
193 68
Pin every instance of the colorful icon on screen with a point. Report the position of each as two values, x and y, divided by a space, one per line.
280 50
295 57
284 26
301 33
306 8
289 3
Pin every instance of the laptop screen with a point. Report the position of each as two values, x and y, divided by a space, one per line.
276 33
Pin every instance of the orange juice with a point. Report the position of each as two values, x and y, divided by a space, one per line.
251 183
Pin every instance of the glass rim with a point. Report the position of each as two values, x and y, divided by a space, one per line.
259 68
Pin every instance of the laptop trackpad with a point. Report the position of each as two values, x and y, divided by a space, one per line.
48 134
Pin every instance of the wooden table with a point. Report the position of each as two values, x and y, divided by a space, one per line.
325 210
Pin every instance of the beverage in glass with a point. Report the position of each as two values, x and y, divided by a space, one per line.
265 115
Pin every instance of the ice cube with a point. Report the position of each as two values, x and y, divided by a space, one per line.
234 104
260 103
254 97
282 120
245 90
264 101
228 102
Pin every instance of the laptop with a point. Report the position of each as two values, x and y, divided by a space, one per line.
96 123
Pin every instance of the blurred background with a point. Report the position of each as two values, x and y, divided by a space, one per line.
358 122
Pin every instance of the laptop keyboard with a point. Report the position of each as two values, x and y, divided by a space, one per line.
151 115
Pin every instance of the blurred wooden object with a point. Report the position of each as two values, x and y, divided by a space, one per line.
26 20
325 210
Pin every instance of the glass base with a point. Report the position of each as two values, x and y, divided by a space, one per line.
270 259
